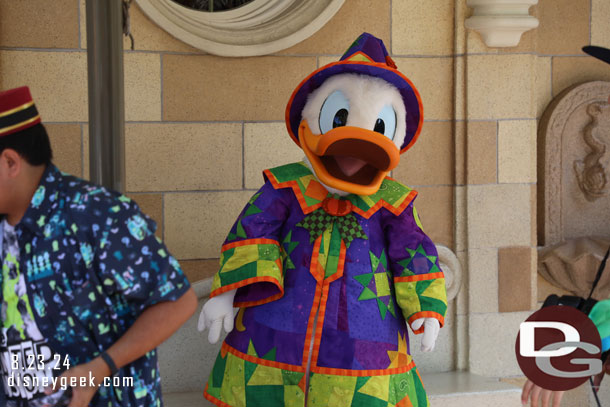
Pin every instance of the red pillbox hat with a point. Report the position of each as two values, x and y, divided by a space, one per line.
17 111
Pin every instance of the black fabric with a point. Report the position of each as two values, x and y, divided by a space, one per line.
600 53
600 271
18 117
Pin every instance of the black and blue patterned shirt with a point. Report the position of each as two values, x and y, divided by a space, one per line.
92 265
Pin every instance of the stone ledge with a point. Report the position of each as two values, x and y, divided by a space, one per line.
186 399
465 389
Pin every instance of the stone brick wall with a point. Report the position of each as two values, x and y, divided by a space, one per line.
200 128
500 95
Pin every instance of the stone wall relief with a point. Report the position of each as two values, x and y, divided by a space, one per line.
591 171
573 199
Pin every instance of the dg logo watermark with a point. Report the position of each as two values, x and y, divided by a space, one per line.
558 348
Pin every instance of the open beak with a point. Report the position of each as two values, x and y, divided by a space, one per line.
348 158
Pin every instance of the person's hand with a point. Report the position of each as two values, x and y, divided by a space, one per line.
534 392
431 328
87 377
218 311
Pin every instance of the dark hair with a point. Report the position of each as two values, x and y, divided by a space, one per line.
32 144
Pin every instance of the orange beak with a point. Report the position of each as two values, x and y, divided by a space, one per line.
350 159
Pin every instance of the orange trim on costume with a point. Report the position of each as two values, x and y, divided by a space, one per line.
259 361
371 372
322 314
382 203
396 210
312 317
419 277
245 304
425 314
319 327
213 399
323 285
421 114
248 281
314 268
248 242
297 192
280 266
346 62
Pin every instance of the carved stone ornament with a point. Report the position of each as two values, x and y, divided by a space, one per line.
591 172
260 27
573 165
573 264
501 22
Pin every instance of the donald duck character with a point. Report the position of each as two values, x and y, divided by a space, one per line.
328 262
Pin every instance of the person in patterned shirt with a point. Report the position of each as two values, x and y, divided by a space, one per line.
88 290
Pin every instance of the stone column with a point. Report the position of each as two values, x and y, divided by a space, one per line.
495 116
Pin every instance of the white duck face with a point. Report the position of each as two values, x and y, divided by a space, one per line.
352 129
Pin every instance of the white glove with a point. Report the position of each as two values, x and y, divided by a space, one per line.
431 328
217 310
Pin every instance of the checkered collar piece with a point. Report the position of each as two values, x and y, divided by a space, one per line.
311 194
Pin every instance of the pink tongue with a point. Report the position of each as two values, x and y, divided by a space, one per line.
349 165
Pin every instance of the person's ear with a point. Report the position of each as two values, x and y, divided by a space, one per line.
13 162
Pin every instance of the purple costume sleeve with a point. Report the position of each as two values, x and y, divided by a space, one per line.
251 259
418 280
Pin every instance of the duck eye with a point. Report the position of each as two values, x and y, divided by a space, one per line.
379 126
334 112
340 118
386 122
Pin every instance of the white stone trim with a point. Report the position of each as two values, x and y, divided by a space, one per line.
501 22
258 28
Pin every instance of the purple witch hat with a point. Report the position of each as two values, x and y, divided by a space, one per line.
366 56
601 53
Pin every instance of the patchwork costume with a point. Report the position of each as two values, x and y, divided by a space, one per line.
325 285
290 263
